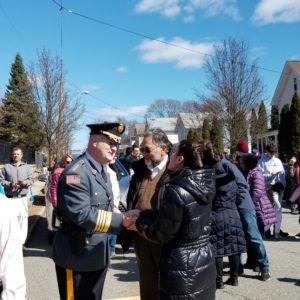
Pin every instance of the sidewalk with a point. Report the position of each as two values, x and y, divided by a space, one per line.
37 208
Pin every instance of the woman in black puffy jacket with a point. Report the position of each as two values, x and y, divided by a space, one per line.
182 225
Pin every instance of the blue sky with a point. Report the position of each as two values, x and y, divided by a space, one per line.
123 72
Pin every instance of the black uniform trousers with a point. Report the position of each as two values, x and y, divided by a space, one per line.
74 285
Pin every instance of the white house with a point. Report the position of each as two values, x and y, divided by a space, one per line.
288 84
168 125
186 121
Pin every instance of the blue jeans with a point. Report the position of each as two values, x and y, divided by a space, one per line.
254 239
112 242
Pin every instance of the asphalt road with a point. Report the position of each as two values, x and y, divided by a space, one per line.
122 278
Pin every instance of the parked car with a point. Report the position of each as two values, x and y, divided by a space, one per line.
124 180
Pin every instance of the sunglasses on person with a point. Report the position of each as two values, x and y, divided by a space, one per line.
147 149
68 161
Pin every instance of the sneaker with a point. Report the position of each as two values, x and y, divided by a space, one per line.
283 234
232 281
294 211
268 234
265 276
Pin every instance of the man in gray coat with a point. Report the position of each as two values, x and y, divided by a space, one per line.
16 178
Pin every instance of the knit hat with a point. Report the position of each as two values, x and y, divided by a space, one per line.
242 146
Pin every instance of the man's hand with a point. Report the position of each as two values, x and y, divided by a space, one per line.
23 184
275 174
15 185
130 218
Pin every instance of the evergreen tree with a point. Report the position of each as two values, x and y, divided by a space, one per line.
253 127
20 124
295 124
284 144
216 135
262 119
193 134
274 117
205 130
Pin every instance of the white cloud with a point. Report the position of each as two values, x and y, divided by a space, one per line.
91 87
122 69
168 8
110 113
213 8
173 8
277 11
186 55
258 52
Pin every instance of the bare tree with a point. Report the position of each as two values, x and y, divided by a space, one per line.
235 87
59 112
164 108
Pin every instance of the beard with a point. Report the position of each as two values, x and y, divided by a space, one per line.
152 163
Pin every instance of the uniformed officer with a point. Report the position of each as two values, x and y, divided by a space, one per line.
85 204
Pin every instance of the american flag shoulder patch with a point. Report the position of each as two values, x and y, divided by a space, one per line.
73 179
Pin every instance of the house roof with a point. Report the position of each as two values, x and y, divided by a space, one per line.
191 120
166 124
140 128
291 68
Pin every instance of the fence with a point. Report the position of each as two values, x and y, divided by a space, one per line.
30 156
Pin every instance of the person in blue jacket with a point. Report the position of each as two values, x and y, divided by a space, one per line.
85 207
246 208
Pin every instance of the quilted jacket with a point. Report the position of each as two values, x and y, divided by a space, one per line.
265 211
227 235
182 226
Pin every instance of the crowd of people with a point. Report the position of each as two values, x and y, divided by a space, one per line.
188 208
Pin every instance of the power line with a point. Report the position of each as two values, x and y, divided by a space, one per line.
11 23
62 8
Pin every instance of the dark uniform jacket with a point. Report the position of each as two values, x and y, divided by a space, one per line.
84 205
182 226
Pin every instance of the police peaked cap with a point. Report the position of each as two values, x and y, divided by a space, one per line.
111 130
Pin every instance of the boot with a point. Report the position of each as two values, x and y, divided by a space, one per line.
232 280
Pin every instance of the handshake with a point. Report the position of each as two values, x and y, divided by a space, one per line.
129 219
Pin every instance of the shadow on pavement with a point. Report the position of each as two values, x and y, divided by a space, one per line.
292 280
37 244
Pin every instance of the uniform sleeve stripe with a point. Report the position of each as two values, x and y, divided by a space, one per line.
99 220
107 223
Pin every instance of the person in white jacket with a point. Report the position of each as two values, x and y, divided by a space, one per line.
274 175
12 275
116 194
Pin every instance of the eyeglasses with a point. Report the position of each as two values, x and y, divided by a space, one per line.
68 162
147 149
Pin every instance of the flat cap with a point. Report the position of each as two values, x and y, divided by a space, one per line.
111 130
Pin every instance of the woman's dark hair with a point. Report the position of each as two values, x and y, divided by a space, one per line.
197 155
249 160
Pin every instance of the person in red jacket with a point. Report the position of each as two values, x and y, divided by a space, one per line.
66 160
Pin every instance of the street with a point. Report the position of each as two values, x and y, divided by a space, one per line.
122 278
